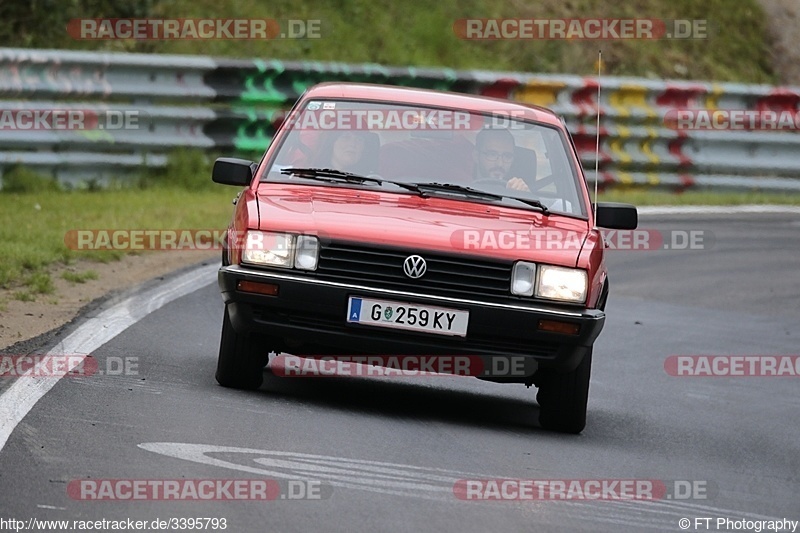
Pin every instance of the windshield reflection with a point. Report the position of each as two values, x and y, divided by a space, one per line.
499 155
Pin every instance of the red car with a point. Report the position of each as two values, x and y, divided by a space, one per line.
414 223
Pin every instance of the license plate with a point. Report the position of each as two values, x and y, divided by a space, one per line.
415 317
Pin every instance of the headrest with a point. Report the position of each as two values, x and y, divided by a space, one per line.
525 164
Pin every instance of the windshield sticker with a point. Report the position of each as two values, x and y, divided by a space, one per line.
313 106
329 105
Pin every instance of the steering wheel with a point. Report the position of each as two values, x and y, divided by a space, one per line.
499 185
493 185
540 184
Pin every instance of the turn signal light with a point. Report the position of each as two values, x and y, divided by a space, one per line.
270 289
555 326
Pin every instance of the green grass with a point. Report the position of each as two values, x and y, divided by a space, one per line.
420 33
32 239
79 277
36 216
24 296
40 282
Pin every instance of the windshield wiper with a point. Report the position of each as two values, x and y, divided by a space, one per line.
531 202
458 188
476 192
330 175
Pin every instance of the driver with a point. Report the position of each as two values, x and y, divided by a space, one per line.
494 155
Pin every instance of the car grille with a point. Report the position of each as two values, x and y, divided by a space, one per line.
446 275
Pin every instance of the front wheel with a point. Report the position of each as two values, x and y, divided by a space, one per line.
563 397
242 357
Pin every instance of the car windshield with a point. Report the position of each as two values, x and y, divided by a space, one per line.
492 152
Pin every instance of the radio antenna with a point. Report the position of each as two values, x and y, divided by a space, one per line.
597 141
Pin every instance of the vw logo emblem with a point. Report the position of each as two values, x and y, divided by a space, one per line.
414 266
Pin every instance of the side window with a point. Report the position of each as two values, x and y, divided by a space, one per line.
563 174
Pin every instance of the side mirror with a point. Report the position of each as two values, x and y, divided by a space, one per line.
232 171
616 216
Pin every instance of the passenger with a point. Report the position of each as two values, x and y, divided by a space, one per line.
349 151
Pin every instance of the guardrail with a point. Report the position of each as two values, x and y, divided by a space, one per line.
234 106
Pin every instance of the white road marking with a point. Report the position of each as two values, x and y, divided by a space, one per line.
374 476
423 482
20 397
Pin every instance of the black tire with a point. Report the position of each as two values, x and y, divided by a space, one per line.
563 397
242 357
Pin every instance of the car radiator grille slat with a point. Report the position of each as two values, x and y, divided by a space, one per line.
383 267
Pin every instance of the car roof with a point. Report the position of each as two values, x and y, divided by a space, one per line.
428 97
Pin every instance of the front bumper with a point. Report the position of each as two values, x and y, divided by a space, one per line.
308 317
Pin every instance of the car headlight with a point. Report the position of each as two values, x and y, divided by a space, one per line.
269 249
563 284
307 252
282 250
523 277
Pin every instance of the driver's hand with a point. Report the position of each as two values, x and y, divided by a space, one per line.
517 184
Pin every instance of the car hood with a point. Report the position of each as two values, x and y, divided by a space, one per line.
409 221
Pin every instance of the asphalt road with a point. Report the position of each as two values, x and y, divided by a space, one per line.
383 454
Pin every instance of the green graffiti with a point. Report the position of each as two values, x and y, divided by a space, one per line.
254 129
444 80
259 87
272 86
97 136
374 69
